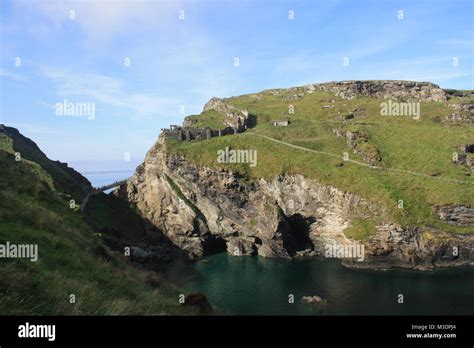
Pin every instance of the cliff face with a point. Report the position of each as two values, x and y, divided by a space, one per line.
202 210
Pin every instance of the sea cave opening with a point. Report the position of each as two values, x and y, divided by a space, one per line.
296 237
215 245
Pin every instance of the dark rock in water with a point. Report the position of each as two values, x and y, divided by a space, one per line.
314 300
199 301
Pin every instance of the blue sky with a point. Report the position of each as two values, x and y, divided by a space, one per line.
183 62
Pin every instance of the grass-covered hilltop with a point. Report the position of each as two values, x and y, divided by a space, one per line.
391 158
387 164
81 266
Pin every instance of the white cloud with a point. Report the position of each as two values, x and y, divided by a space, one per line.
108 90
12 76
101 20
455 42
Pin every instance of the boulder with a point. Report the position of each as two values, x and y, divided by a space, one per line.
313 300
200 302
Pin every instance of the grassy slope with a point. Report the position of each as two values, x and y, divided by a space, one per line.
424 146
65 180
209 118
72 259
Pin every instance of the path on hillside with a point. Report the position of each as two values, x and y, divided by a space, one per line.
360 163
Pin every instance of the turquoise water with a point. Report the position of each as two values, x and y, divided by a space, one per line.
259 286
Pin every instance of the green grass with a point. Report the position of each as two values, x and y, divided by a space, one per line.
6 143
360 229
65 180
209 118
109 213
423 146
72 258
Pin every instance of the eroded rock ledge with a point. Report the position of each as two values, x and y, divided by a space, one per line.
202 210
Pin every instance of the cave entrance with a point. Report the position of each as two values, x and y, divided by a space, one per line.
214 245
296 237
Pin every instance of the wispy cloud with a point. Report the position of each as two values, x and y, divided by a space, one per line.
100 20
35 129
108 90
455 42
12 75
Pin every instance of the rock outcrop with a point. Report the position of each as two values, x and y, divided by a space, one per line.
403 91
463 112
358 142
202 210
456 215
406 91
234 117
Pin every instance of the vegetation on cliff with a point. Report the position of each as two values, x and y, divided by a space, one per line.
414 168
35 208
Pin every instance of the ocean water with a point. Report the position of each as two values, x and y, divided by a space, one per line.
253 285
103 172
101 178
260 286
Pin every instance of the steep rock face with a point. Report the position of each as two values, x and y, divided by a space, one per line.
202 210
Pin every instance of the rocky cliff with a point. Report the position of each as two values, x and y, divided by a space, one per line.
203 210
